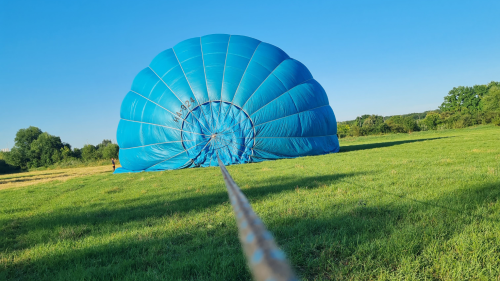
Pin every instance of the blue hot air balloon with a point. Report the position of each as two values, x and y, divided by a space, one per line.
223 95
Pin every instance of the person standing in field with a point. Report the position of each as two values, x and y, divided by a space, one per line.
113 162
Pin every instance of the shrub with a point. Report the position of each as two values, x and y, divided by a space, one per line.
343 130
410 125
383 128
432 120
355 131
496 121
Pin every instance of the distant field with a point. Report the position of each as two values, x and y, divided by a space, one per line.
31 178
407 206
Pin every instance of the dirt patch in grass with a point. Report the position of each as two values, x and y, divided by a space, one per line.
30 178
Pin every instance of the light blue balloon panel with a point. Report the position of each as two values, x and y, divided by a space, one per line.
227 95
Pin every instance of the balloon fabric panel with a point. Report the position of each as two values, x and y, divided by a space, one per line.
223 95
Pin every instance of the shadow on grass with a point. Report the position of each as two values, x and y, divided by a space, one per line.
382 144
138 209
355 238
199 255
342 245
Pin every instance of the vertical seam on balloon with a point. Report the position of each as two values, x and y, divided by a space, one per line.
178 61
210 159
224 74
270 73
177 96
235 92
234 147
249 115
296 109
206 84
241 109
174 156
193 157
217 149
159 106
162 126
243 152
230 141
216 152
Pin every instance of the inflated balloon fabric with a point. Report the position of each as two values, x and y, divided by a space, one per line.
227 95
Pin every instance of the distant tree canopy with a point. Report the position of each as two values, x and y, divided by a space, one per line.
34 148
462 107
491 101
467 99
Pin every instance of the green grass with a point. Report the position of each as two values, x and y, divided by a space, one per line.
407 206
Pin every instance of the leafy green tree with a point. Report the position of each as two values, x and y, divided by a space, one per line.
355 131
43 150
383 128
89 152
4 166
103 144
432 120
77 153
371 124
21 152
343 130
17 157
360 120
57 156
98 154
396 124
491 101
66 152
461 99
496 121
410 125
111 151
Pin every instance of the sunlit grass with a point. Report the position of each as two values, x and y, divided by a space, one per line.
36 177
407 206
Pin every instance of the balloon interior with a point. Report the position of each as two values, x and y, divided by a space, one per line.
223 95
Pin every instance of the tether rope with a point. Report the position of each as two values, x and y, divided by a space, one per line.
265 260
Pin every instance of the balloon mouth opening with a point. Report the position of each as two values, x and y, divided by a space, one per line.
218 128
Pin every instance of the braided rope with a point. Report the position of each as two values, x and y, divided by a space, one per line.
265 260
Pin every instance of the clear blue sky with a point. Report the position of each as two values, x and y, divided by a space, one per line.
65 66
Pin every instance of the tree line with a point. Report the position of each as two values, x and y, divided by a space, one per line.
462 107
34 148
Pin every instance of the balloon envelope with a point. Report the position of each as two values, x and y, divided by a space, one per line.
223 95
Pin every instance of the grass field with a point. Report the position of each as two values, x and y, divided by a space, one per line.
407 206
45 176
